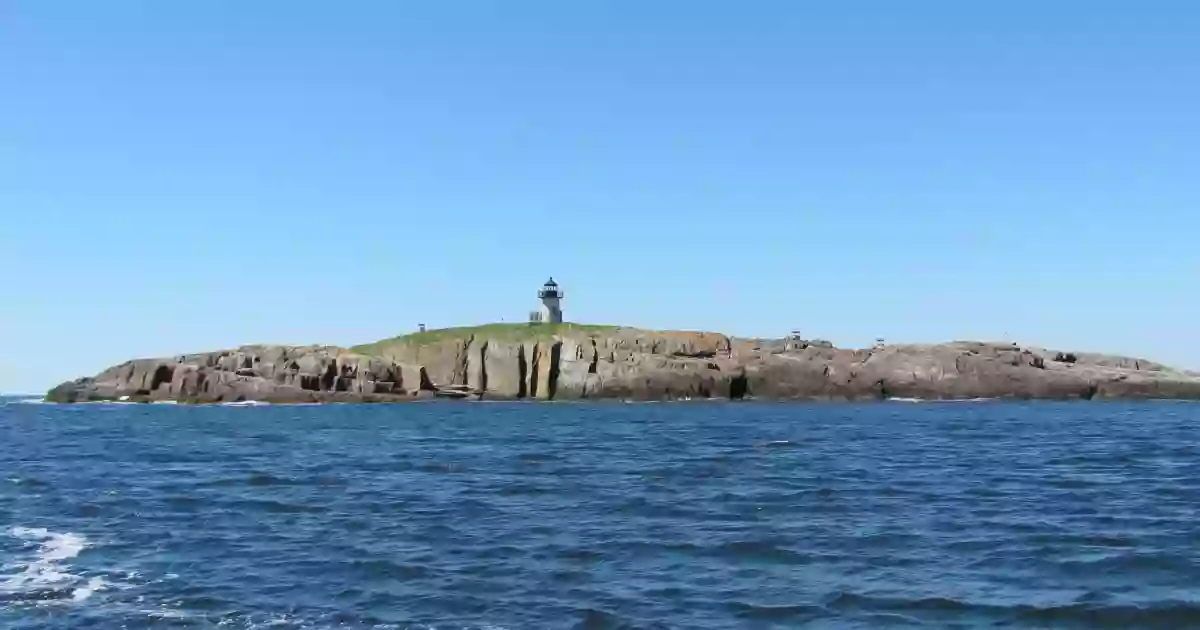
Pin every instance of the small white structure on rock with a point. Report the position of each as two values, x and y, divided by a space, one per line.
551 311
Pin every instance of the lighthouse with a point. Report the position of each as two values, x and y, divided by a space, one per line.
551 311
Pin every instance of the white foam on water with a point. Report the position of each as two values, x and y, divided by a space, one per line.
947 400
26 400
167 613
87 590
245 403
46 568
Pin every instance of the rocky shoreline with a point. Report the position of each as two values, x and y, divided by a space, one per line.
575 362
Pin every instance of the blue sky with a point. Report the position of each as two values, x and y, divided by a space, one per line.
186 176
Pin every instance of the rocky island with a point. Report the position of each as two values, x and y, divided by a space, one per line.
548 359
563 361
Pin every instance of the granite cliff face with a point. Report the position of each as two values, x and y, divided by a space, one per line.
252 373
575 363
572 362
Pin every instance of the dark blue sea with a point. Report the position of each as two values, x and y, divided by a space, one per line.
606 516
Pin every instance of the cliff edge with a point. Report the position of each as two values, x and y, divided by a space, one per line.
574 361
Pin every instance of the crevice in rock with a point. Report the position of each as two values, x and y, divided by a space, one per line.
533 371
462 370
592 368
694 354
552 378
522 373
328 377
483 374
426 382
163 374
739 387
1091 392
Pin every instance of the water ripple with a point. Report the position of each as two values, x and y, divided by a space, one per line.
502 516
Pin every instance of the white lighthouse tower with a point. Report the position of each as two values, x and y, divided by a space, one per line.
551 311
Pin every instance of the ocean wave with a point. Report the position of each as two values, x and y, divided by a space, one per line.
285 621
244 403
89 589
45 577
1164 614
946 400
279 507
23 399
705 518
775 613
383 569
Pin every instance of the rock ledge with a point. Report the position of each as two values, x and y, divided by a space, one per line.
573 362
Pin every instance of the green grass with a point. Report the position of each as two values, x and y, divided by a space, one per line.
506 332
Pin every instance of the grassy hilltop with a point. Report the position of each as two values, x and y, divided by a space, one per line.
505 332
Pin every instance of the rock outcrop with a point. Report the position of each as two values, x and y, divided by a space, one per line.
569 362
576 364
253 373
960 370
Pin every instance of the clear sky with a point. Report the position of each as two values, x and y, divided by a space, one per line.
184 176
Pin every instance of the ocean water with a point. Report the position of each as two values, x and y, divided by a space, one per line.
450 516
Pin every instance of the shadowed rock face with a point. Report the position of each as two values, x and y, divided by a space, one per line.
624 363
